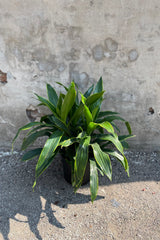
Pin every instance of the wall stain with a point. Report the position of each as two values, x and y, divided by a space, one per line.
73 55
73 32
133 55
32 113
61 67
3 77
91 3
151 49
111 45
98 53
151 110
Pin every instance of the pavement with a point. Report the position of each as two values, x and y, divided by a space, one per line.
125 209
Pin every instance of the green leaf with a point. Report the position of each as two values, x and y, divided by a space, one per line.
100 170
36 128
99 86
89 91
68 142
125 137
110 119
106 113
95 113
45 166
83 98
125 144
76 85
93 180
68 102
126 165
128 128
26 127
96 135
52 95
59 103
31 154
107 126
114 140
91 127
121 159
78 113
102 160
32 138
47 103
93 98
48 153
98 89
77 98
81 135
81 160
62 86
114 154
88 115
60 124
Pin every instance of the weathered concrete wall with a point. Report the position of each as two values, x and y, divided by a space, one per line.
47 41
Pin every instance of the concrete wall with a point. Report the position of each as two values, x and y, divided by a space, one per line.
60 40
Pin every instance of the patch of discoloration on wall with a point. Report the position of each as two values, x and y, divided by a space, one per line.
151 110
124 64
48 64
98 53
72 32
32 113
108 50
82 79
60 28
3 77
44 59
61 67
73 55
91 3
74 76
39 54
73 71
133 55
150 49
111 45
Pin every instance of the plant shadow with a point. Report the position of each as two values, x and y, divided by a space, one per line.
17 197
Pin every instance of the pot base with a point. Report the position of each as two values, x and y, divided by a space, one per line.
67 172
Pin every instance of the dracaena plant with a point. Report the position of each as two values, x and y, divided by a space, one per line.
78 127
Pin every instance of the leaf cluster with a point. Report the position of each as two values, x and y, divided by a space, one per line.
77 128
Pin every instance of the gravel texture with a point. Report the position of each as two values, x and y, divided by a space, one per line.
125 209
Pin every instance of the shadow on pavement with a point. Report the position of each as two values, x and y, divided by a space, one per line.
17 197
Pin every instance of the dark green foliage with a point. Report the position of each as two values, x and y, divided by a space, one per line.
77 127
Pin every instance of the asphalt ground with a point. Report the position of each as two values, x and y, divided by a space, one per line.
125 209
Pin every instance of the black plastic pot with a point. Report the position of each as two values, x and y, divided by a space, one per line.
67 172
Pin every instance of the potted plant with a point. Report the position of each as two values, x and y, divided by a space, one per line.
76 128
